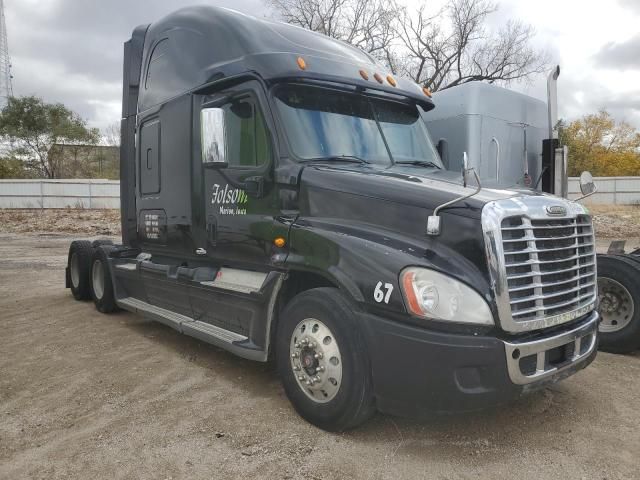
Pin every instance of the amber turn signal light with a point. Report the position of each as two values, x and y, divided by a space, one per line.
391 80
412 300
301 63
279 242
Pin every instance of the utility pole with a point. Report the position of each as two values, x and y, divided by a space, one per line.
6 89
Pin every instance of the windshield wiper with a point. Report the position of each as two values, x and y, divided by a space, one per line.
419 163
338 158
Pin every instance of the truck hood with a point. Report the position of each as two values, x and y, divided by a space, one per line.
405 186
361 205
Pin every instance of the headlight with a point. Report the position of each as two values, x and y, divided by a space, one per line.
430 294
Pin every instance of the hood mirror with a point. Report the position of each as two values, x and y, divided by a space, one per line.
213 138
587 185
433 222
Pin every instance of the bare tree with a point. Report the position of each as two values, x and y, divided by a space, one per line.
440 50
454 47
366 24
111 134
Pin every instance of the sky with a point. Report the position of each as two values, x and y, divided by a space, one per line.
70 51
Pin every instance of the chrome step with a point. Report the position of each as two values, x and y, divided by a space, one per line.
182 323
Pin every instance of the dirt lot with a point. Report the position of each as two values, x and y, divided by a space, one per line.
84 395
67 220
616 221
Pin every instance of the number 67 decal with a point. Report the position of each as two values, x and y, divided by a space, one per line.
380 296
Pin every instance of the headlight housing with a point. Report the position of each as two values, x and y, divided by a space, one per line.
432 295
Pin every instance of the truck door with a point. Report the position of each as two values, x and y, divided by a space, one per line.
241 201
240 211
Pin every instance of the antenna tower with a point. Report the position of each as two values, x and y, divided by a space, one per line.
6 89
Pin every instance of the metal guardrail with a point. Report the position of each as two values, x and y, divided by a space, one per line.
73 193
94 193
611 190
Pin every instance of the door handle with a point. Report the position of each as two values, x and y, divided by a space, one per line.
201 251
254 186
495 140
211 229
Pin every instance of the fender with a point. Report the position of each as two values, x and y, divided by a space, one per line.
361 259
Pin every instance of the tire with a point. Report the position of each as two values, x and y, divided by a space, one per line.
341 398
101 285
100 242
619 303
78 269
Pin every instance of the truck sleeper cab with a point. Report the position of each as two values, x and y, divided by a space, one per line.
274 194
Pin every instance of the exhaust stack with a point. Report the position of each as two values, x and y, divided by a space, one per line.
554 156
552 101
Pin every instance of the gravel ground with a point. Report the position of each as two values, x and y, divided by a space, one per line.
616 221
71 221
84 395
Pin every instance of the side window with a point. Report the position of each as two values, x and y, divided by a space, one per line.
158 63
246 134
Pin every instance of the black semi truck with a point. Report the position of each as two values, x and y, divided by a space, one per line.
281 198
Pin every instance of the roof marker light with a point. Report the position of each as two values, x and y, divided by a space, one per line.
391 80
426 91
301 63
364 74
377 77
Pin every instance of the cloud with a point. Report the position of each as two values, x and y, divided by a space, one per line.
577 98
624 107
633 5
71 52
620 56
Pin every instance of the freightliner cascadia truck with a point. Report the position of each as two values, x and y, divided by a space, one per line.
281 198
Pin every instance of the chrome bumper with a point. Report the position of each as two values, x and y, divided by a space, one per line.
529 362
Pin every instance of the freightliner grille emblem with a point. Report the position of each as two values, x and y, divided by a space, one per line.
556 210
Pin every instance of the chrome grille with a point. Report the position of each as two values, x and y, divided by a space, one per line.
550 265
543 268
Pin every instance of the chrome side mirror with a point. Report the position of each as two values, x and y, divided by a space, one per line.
213 138
587 185
434 224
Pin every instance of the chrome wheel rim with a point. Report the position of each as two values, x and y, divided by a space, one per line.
315 360
616 305
74 267
97 279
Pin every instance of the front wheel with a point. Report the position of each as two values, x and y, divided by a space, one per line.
323 362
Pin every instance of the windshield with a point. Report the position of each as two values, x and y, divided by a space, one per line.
323 124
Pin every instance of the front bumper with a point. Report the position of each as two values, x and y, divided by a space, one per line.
417 371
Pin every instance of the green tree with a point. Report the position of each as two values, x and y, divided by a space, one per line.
32 127
12 168
601 145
